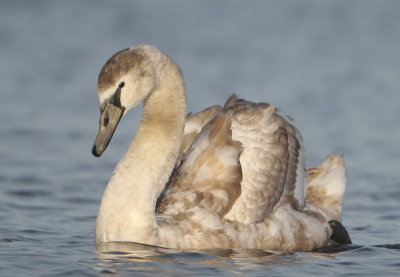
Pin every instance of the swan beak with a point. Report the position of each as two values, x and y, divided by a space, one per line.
110 115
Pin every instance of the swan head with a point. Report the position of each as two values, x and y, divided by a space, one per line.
125 81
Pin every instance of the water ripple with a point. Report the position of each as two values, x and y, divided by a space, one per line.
18 238
29 179
389 246
23 193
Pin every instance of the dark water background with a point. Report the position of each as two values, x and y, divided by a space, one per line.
332 65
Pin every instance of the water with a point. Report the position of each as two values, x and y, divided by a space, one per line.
332 65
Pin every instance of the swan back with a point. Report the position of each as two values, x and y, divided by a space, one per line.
268 154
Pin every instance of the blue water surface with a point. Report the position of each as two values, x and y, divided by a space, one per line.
332 65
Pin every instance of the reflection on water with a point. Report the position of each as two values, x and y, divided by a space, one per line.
134 257
140 256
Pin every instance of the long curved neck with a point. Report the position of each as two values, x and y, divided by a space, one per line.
130 198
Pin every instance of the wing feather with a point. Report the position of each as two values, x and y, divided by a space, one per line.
269 160
193 125
210 174
240 161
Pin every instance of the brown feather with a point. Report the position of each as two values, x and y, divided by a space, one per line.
205 179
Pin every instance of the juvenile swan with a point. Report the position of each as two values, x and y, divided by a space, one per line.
226 177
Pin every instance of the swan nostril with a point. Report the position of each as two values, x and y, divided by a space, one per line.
105 121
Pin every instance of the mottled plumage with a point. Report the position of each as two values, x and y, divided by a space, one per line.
230 176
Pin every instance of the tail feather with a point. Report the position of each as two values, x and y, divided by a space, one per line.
326 185
339 233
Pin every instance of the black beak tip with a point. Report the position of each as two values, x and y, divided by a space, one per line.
94 151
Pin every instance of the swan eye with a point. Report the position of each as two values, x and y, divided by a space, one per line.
121 85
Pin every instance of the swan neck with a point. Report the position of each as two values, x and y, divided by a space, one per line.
152 154
139 178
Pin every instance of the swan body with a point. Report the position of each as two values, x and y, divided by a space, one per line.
230 176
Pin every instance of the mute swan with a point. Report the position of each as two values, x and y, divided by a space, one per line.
226 177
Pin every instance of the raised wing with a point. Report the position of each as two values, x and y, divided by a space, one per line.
269 160
210 174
